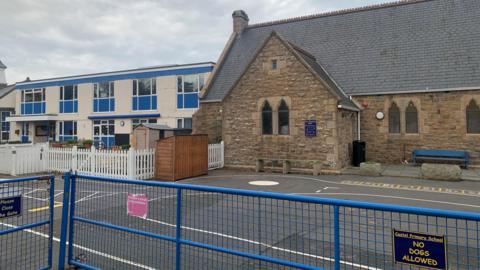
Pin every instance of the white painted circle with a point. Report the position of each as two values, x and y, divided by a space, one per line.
263 183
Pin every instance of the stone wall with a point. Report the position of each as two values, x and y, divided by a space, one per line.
208 120
307 99
441 122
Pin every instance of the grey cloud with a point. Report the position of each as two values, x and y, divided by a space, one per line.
52 38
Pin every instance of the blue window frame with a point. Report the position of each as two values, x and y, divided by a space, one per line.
68 99
5 126
33 101
188 87
104 133
67 131
144 96
104 97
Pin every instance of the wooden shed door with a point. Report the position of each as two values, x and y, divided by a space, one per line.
141 139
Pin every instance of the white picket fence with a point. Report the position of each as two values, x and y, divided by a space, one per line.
215 156
125 164
22 159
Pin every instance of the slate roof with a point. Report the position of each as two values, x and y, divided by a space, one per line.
416 45
6 89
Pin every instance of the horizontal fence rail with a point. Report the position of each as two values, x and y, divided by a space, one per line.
155 225
26 222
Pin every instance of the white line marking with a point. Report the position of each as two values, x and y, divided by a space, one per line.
267 245
392 197
58 194
86 197
35 198
118 259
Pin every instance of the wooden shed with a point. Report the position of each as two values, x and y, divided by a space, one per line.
181 156
145 136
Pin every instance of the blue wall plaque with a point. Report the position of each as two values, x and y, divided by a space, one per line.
310 128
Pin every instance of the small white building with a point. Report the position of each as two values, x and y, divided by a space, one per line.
7 104
104 107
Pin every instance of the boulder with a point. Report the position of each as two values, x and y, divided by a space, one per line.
370 169
447 172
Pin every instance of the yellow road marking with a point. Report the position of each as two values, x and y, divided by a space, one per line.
38 209
414 187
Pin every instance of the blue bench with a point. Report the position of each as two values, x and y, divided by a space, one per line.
449 155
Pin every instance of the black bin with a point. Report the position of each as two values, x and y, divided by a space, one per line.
358 153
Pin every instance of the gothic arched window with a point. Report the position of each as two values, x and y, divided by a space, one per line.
394 119
283 119
411 119
267 119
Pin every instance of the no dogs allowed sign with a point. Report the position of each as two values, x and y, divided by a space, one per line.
424 250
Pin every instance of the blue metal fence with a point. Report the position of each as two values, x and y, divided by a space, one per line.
26 222
199 227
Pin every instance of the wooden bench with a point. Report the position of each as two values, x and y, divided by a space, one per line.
449 155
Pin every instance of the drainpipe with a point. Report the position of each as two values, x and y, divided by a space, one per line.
358 125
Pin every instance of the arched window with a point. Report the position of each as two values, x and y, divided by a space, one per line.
266 119
473 117
411 119
394 119
283 119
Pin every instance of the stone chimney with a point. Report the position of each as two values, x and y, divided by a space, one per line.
3 79
240 21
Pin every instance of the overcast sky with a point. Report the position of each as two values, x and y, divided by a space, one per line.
50 38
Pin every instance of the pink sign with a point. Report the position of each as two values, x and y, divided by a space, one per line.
137 205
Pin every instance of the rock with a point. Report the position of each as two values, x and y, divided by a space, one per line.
370 169
447 172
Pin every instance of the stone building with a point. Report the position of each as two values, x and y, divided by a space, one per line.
399 76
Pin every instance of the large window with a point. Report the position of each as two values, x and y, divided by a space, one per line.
473 118
267 119
144 94
104 133
69 99
5 126
283 119
184 123
137 122
188 87
33 101
411 119
394 119
104 97
67 131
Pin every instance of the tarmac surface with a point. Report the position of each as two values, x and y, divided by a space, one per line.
293 231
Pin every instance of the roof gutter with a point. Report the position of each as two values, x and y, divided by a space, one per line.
340 106
418 91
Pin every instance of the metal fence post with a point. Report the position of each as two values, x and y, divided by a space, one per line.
63 232
50 228
336 235
178 230
71 215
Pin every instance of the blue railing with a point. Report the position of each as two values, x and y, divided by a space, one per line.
26 230
203 227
